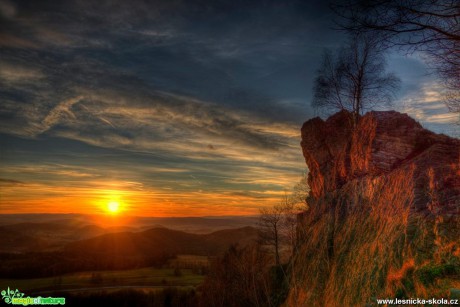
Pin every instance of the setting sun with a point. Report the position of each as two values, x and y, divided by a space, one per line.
113 206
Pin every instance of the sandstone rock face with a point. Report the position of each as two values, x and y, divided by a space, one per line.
384 211
382 142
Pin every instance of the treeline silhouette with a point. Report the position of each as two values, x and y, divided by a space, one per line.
245 276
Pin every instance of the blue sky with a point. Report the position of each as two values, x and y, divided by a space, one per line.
172 107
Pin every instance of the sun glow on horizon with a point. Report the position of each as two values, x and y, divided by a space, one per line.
113 207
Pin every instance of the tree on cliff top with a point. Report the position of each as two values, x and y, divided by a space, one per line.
354 78
429 26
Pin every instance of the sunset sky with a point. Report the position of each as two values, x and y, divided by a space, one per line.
172 108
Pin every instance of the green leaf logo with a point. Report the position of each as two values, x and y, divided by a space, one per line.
9 294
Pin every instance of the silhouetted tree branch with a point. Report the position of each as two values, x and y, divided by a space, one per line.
354 78
430 26
278 224
270 228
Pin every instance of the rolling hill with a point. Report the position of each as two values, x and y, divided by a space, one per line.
122 250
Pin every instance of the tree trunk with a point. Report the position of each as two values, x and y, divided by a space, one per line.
277 254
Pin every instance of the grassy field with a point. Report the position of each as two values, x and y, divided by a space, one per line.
189 261
143 279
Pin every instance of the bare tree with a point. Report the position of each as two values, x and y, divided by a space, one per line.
289 209
354 78
430 26
270 221
241 277
300 192
278 224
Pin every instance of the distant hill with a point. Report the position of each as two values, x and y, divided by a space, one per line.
197 224
122 250
162 241
45 236
20 233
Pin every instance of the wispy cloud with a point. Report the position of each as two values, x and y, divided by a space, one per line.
223 155
19 73
7 9
160 121
427 105
61 112
10 182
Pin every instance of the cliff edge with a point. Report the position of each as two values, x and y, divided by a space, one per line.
384 212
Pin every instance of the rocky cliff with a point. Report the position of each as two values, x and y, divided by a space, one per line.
384 216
